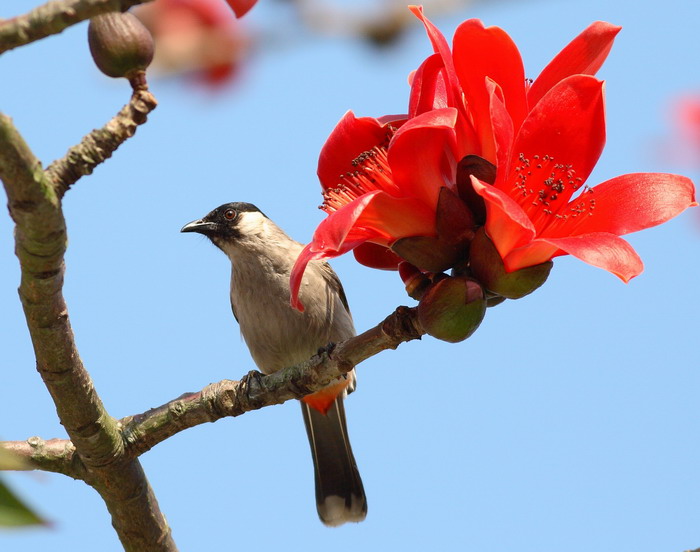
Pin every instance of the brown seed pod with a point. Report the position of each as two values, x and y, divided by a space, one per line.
120 45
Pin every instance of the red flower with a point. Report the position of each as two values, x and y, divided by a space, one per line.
196 37
533 213
382 179
457 78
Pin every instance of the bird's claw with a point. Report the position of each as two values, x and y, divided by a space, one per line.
328 349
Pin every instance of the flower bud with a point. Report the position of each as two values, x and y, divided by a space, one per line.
494 300
120 45
473 165
428 253
452 309
454 224
453 219
487 267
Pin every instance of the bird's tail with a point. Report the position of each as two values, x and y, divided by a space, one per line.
340 496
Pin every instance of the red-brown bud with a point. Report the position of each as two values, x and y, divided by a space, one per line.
487 267
473 165
427 253
120 45
452 309
415 281
454 224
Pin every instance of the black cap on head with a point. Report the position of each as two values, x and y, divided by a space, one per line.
222 222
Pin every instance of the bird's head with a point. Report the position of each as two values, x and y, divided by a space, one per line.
228 223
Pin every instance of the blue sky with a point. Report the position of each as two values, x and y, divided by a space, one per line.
568 421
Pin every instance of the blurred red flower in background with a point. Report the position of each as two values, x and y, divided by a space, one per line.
686 120
241 7
688 113
387 181
197 38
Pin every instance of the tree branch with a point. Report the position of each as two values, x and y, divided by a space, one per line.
254 391
101 143
54 17
54 455
142 432
40 243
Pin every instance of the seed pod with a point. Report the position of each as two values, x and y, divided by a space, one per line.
120 45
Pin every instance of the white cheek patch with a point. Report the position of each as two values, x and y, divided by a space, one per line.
251 227
250 222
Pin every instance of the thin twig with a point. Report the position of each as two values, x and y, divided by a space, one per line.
101 143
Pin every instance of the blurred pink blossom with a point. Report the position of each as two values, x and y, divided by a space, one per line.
198 38
682 147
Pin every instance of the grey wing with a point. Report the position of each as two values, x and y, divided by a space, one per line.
331 277
334 284
233 310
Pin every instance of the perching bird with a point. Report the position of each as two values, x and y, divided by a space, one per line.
262 256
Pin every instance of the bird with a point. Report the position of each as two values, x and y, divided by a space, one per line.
277 335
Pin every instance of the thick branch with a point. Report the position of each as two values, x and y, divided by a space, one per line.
233 398
54 17
101 143
40 243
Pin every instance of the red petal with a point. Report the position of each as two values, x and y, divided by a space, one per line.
350 137
502 125
568 124
507 224
633 202
601 249
441 47
375 216
420 153
395 120
241 7
376 256
583 55
531 254
481 52
427 87
304 258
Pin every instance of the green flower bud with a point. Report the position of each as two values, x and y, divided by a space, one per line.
487 267
494 300
452 309
120 45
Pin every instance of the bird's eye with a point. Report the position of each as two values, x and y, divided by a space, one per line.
230 214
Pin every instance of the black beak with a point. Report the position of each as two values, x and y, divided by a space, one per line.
200 226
